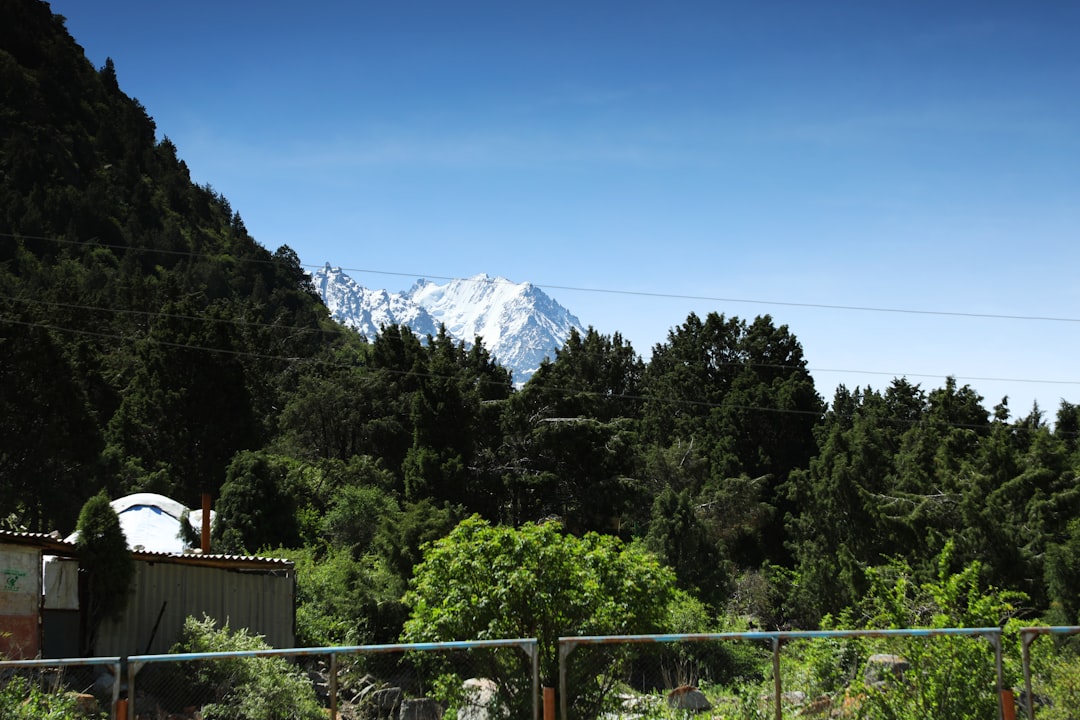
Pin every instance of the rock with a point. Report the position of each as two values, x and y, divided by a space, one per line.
420 709
481 696
883 668
689 698
86 704
796 698
386 699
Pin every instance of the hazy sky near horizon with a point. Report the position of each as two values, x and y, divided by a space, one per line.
640 160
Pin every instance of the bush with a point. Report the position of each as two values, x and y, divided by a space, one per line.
22 699
535 581
256 688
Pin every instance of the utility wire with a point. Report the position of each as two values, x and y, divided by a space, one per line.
628 397
608 291
171 316
708 298
298 329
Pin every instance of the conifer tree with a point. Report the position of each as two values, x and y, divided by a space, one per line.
107 564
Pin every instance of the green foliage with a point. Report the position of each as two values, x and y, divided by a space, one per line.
149 343
401 537
258 504
952 676
485 582
23 699
106 561
1062 688
355 515
342 599
252 688
48 438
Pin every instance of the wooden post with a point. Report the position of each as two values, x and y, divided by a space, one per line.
1008 705
549 703
204 542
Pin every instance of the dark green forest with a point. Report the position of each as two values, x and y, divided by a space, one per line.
148 343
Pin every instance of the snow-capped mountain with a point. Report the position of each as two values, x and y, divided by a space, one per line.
518 322
366 310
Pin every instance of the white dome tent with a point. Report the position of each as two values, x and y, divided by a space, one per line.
151 523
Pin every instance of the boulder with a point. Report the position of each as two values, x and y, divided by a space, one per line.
883 668
480 698
689 698
420 709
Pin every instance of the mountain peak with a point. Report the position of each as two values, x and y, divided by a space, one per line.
518 322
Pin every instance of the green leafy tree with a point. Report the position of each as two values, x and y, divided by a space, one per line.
341 410
356 511
105 560
453 434
595 376
345 600
678 537
483 581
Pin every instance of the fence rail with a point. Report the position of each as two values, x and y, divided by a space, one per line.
406 666
776 639
74 675
364 676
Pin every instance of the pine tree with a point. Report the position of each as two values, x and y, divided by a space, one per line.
107 564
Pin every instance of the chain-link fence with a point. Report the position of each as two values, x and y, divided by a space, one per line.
916 673
911 673
82 687
481 680
1051 673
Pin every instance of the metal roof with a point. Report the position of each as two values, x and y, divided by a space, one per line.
55 546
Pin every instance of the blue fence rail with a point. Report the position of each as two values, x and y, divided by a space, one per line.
993 635
112 665
332 656
123 706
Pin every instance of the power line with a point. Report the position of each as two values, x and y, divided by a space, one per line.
637 398
156 341
171 316
708 298
607 291
299 329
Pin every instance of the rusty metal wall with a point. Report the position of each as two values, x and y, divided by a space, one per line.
166 593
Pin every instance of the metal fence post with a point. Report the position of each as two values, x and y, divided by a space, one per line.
535 654
1026 638
333 686
117 670
132 668
778 690
995 640
564 649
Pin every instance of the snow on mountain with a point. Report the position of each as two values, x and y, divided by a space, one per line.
518 322
366 310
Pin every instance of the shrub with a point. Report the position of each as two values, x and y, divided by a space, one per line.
254 688
22 699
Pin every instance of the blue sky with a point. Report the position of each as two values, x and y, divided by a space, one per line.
742 157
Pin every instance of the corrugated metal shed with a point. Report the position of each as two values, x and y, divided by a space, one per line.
49 543
246 592
252 593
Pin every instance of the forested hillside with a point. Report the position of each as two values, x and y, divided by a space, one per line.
149 343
